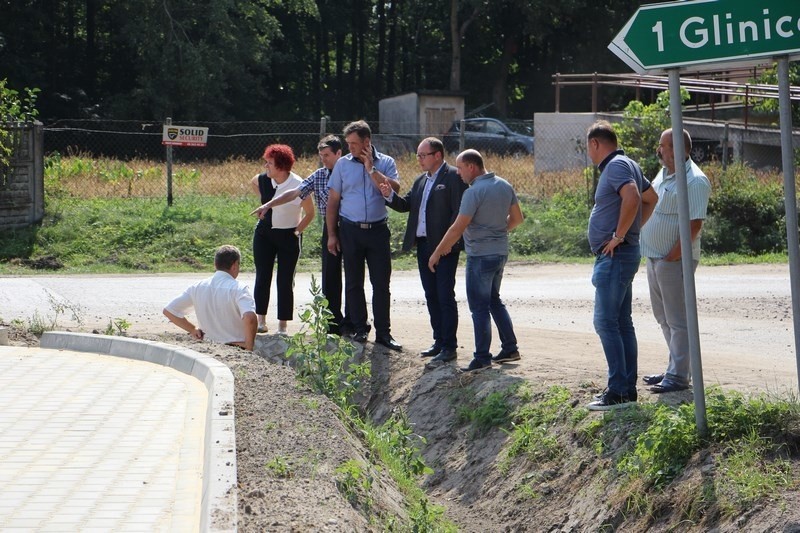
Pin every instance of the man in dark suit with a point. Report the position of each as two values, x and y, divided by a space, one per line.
432 206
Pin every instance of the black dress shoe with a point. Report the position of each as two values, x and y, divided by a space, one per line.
359 337
430 352
477 365
445 356
389 342
662 387
653 379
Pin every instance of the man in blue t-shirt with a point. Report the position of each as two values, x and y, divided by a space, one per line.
623 202
489 210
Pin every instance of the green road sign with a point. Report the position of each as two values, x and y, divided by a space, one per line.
701 33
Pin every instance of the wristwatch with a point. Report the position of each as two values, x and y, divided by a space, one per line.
297 233
373 170
617 237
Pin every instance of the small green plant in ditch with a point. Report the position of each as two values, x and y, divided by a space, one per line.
280 467
311 403
531 428
661 451
355 483
325 362
494 410
396 440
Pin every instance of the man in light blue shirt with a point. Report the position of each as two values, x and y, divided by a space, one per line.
661 246
357 228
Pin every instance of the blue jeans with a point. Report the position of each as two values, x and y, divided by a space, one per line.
484 275
613 278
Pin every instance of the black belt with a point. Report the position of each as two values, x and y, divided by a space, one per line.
363 225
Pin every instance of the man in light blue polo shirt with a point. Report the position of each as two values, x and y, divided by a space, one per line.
356 220
661 246
489 210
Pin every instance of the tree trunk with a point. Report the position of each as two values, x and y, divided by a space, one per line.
338 106
455 48
381 48
391 59
90 65
456 37
500 88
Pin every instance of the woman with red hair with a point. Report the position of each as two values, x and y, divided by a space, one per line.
277 234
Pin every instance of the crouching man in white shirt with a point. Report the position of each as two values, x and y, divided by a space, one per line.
225 308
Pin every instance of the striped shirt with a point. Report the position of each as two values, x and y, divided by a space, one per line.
661 232
317 183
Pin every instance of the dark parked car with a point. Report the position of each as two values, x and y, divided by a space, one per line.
708 149
488 135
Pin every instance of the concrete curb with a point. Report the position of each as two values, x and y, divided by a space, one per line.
219 505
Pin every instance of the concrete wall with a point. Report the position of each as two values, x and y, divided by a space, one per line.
561 141
22 188
398 114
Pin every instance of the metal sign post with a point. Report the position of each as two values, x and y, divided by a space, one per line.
169 168
790 199
690 297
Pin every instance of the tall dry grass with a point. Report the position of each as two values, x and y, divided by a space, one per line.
84 176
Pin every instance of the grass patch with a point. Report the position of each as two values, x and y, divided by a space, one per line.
493 410
747 454
106 216
532 431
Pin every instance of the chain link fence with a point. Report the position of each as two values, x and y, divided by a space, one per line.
120 159
88 159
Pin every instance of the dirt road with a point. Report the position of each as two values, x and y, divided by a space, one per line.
746 330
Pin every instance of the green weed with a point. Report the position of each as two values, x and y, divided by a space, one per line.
355 483
117 326
323 361
532 429
311 403
280 467
493 410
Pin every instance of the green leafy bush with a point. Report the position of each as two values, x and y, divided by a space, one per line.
13 108
745 214
641 128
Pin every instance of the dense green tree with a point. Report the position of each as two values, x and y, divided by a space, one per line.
298 59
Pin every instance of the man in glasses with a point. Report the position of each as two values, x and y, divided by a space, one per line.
432 206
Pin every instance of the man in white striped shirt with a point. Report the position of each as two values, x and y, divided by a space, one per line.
661 246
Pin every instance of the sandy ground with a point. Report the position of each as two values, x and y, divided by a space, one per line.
745 317
291 444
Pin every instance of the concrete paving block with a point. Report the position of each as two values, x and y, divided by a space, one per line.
159 353
183 360
129 348
79 342
220 491
206 369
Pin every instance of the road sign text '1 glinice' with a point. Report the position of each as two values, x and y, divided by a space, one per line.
702 33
